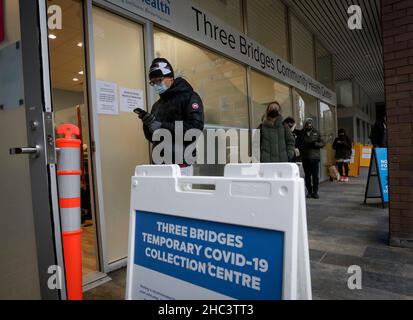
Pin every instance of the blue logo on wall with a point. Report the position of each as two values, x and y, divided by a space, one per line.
239 262
163 6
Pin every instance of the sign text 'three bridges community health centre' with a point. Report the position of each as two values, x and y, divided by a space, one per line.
188 19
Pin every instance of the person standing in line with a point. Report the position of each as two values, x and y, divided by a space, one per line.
343 147
277 140
290 122
310 144
378 135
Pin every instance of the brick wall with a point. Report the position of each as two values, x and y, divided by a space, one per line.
397 20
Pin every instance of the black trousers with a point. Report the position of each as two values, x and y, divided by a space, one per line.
343 169
312 170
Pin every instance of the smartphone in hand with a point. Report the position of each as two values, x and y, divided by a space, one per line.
139 111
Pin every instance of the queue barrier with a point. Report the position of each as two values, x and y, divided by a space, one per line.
365 156
241 236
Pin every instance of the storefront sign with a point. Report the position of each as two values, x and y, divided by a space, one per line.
188 19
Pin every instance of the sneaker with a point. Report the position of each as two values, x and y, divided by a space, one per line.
316 196
346 179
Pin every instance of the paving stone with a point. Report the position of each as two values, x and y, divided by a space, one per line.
331 290
401 255
391 283
407 271
371 265
316 255
337 247
330 283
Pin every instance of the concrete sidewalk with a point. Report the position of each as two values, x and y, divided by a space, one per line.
345 232
342 232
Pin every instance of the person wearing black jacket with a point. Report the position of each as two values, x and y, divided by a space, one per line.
343 147
310 144
178 103
378 135
290 122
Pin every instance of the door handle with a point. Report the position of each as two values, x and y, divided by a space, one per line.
26 150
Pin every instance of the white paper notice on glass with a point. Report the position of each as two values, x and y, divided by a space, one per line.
130 99
107 95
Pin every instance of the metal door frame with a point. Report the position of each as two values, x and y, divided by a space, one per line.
40 132
147 26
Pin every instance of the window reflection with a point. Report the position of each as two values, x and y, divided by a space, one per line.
264 91
220 82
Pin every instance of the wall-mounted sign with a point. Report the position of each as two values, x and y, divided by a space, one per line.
107 96
130 99
195 23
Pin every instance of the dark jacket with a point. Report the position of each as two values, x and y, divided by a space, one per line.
378 135
296 134
310 144
277 142
179 103
343 147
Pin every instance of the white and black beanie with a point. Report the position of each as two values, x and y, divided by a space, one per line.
161 68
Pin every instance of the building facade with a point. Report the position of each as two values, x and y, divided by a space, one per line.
398 62
238 55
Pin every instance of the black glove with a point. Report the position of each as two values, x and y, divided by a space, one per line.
140 112
148 119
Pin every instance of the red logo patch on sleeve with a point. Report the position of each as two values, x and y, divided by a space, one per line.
195 106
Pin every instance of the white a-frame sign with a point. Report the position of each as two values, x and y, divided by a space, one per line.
241 236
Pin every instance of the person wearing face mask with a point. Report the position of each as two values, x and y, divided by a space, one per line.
310 144
343 147
178 102
277 140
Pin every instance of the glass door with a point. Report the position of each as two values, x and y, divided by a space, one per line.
30 237
70 105
118 69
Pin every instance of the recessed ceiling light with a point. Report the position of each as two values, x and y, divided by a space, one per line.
81 73
75 79
80 44
52 36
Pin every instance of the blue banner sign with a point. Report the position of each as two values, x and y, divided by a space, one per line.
236 262
382 163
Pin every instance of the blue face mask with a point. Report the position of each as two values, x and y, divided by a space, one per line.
160 88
